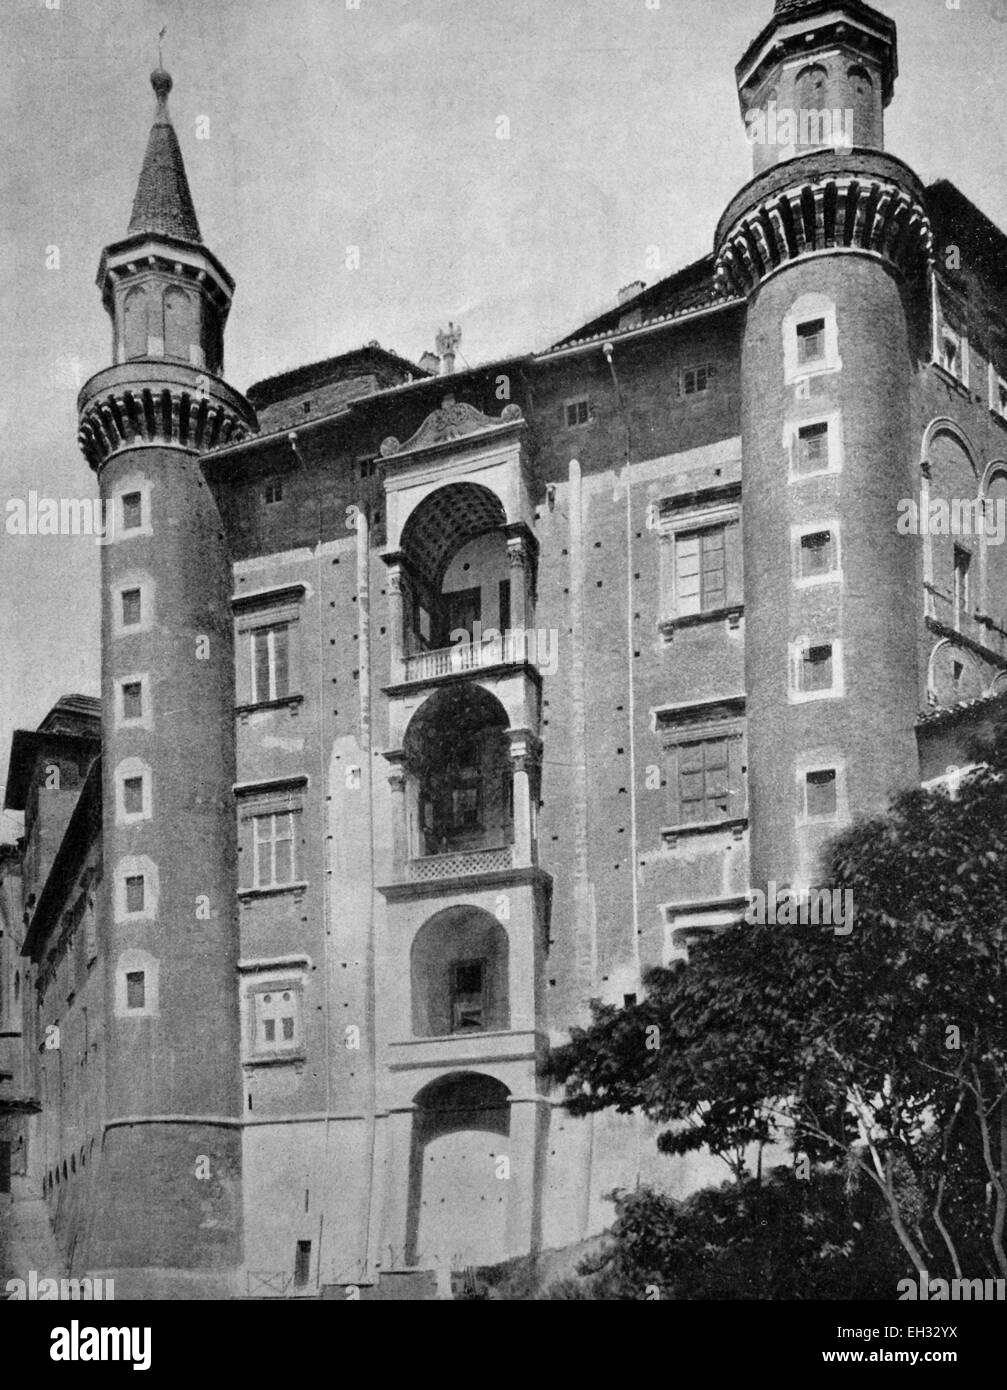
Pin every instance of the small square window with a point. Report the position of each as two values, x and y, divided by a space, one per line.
812 449
817 554
132 795
577 412
131 608
132 700
273 492
696 380
132 511
816 668
810 341
134 893
136 990
820 793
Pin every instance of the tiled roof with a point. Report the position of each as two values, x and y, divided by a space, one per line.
163 202
786 9
947 712
685 292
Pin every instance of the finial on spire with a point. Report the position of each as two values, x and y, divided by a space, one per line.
160 60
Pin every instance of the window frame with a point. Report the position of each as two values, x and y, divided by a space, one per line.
128 770
281 606
682 726
797 650
806 309
831 420
272 695
256 800
682 517
798 534
259 1048
709 372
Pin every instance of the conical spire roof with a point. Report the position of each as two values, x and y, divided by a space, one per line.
163 202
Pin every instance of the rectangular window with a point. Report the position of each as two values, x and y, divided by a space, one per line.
136 991
963 561
810 341
696 380
132 700
467 995
274 490
820 794
273 849
700 571
134 893
276 1017
131 608
578 412
132 511
817 555
704 792
270 663
302 1264
812 449
816 668
132 795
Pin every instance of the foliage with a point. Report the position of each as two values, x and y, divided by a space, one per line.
882 1053
779 1238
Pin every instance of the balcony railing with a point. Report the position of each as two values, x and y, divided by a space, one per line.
509 647
478 861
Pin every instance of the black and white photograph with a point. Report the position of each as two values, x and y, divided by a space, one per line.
503 694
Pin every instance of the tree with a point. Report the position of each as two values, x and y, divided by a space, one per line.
882 1054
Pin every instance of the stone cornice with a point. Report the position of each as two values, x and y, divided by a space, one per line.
153 401
453 421
831 200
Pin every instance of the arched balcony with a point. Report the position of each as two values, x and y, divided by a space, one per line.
461 586
464 798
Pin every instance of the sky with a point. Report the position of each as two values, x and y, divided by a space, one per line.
377 124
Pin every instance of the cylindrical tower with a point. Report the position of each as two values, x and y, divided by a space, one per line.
829 244
170 1175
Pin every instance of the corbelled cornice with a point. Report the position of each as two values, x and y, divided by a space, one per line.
153 402
819 203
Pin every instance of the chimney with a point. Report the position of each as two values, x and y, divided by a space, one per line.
631 290
447 344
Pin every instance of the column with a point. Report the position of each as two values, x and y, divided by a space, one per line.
400 824
524 752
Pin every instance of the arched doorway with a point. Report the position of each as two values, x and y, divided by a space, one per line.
459 1173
